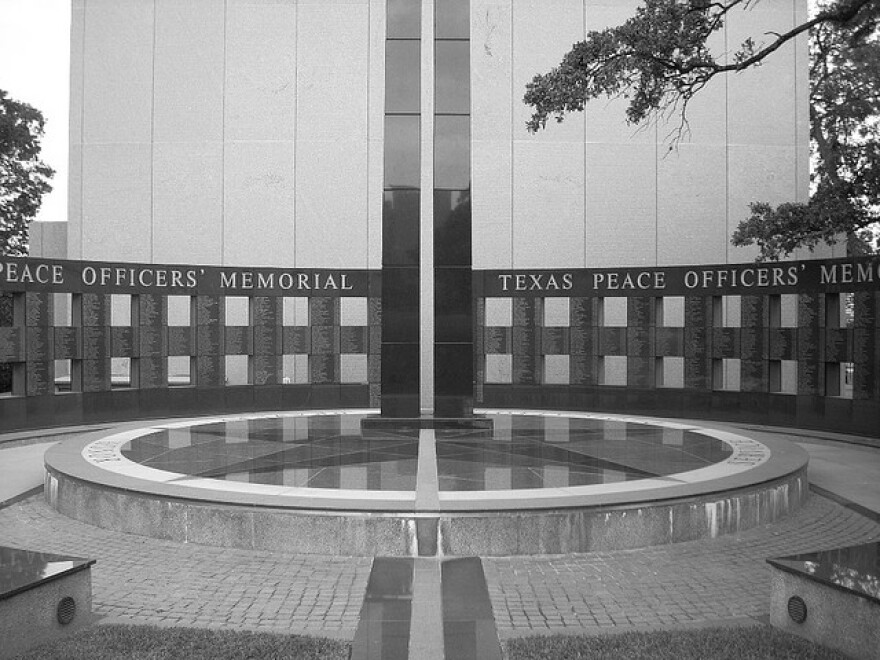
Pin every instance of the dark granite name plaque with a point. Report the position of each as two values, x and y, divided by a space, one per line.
854 569
809 375
12 344
210 365
697 342
296 340
96 375
266 314
850 274
323 368
63 275
122 342
37 307
639 312
150 310
96 343
95 309
322 311
866 346
151 338
21 570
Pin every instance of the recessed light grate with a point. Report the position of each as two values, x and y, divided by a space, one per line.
66 610
797 609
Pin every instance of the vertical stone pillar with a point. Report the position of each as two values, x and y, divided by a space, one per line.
402 214
479 349
866 346
151 319
210 341
754 371
266 319
12 347
324 348
639 342
697 344
584 333
95 318
452 258
809 375
39 346
374 345
524 342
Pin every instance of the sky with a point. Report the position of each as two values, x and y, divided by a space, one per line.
35 69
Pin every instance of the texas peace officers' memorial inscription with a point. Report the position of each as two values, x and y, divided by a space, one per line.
777 278
799 330
70 276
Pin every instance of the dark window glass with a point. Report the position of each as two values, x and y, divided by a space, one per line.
400 228
452 152
452 19
452 227
404 19
452 77
402 152
402 76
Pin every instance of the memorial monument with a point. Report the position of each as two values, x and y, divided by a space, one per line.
261 219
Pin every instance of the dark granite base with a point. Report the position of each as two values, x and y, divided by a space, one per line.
856 416
21 413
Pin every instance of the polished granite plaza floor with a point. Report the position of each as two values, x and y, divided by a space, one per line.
331 451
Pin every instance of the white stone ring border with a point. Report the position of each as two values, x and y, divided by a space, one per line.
747 454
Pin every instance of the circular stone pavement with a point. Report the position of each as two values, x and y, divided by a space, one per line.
604 482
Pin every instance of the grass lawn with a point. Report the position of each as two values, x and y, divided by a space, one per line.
748 643
117 642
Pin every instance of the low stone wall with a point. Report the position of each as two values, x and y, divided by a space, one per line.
834 618
52 604
646 518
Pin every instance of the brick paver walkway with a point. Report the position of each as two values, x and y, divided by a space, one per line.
149 581
680 584
143 580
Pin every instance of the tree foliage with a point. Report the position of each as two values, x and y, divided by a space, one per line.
845 137
661 58
24 178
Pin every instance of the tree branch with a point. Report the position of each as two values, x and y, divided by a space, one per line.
663 49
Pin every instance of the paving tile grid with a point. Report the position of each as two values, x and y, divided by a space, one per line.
683 584
149 581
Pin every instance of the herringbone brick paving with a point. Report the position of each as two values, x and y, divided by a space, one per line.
144 580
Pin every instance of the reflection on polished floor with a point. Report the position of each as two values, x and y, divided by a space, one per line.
331 451
390 629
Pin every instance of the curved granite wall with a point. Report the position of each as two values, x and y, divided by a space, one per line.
793 343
